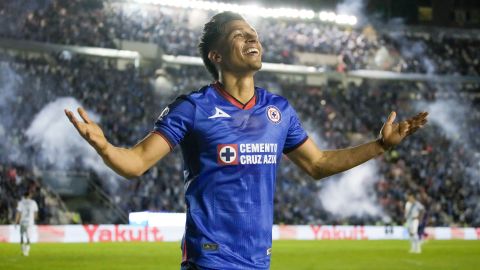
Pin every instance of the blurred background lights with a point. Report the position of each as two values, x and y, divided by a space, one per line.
254 10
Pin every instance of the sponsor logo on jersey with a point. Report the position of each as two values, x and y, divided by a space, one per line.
269 251
274 115
164 113
219 114
227 154
247 153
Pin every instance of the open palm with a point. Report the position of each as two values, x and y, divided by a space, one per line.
88 129
393 133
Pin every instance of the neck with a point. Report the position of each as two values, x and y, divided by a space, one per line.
240 87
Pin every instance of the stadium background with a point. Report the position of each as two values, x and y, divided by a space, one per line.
126 60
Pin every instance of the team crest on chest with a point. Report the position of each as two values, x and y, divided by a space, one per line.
274 115
227 154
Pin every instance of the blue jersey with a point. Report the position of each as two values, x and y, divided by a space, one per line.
231 152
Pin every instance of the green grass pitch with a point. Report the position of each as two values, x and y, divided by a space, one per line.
296 255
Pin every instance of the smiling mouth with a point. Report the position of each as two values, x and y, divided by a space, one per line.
251 52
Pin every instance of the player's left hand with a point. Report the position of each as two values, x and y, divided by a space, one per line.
392 133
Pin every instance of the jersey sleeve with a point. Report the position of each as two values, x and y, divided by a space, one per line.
296 135
175 121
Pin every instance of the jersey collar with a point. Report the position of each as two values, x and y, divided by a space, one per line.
235 102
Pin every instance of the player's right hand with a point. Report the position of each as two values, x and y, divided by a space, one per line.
89 130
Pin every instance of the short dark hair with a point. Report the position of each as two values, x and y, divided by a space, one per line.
212 31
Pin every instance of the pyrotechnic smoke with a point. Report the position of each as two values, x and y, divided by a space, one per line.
59 143
351 7
355 8
451 116
9 86
56 142
448 115
352 193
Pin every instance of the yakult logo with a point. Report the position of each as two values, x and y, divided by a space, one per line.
119 233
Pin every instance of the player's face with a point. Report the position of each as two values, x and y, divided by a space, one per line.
240 48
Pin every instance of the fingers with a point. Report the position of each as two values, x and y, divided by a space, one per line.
391 117
403 128
415 123
412 130
418 120
77 124
84 115
71 117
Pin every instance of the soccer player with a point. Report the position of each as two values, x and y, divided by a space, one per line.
232 135
27 213
413 213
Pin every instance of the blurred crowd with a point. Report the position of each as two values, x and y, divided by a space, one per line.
441 169
440 166
101 23
15 180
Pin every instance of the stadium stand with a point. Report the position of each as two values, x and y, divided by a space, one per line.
442 167
104 23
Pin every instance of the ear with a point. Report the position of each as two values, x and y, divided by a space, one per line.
215 57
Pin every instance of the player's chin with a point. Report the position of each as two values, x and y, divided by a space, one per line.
256 66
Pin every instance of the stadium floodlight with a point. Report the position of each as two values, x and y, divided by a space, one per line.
353 20
252 10
327 16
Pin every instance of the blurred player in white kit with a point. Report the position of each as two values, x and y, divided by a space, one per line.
27 212
413 213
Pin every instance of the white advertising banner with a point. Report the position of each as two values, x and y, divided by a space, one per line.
137 233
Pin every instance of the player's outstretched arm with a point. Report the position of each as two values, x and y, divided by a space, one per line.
320 164
128 162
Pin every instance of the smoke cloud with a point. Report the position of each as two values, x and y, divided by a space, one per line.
59 143
352 193
452 117
448 115
56 143
351 7
9 87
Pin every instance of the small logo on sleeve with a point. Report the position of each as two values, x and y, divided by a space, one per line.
227 154
164 113
273 114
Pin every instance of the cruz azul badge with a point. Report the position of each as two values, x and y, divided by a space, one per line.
273 114
227 154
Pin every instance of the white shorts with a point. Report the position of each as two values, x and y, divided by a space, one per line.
25 230
412 226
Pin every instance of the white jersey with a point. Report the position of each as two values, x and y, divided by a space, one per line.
27 209
412 210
